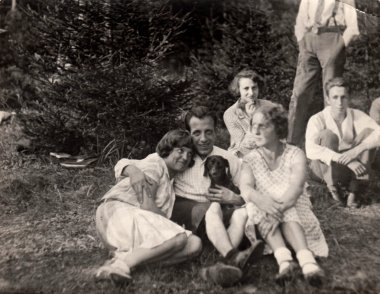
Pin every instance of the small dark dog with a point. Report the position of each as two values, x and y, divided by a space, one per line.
218 169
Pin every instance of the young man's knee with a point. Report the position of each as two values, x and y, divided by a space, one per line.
329 139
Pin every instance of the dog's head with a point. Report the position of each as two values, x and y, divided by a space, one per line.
217 168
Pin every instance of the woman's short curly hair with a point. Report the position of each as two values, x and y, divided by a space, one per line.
245 73
277 115
175 139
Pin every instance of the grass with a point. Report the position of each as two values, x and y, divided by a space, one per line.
49 245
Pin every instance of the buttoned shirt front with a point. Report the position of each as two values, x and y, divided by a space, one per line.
345 16
192 184
353 124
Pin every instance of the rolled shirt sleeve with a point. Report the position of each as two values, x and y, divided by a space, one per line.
302 18
351 19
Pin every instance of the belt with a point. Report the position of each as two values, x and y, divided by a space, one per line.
330 29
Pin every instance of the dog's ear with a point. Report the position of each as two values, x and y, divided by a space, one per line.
227 165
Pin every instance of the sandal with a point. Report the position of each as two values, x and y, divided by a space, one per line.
113 271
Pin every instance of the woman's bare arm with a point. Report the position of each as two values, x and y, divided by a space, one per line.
297 180
264 202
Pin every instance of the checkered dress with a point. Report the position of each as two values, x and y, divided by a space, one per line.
275 183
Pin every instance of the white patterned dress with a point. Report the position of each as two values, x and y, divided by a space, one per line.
123 226
275 183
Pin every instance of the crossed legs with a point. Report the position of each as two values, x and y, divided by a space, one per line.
335 174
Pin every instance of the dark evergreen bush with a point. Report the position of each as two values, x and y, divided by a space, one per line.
239 37
114 75
98 74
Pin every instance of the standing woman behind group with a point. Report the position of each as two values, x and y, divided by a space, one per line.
138 231
237 118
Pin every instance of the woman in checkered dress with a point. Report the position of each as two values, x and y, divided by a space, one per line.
273 185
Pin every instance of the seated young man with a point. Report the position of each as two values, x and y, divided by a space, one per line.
341 142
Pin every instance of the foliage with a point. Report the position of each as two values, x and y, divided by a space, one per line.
97 73
238 37
113 75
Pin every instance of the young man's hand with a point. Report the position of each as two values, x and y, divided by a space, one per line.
348 156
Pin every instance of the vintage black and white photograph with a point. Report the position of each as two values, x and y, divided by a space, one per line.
190 146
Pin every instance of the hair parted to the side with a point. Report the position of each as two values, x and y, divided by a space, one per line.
336 82
245 73
277 115
175 139
199 112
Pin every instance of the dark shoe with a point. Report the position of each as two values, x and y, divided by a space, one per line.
351 202
242 259
334 192
315 278
287 274
222 274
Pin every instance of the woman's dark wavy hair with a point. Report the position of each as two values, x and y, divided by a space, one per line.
245 73
277 115
175 139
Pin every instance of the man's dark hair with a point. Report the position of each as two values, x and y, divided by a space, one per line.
199 112
336 82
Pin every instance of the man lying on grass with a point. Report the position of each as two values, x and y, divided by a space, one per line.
197 204
342 144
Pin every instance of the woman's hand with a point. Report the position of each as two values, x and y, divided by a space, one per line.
250 108
270 206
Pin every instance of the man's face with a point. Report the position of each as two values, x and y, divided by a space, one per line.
338 100
203 133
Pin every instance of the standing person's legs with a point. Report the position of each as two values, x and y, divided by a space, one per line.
332 56
305 83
